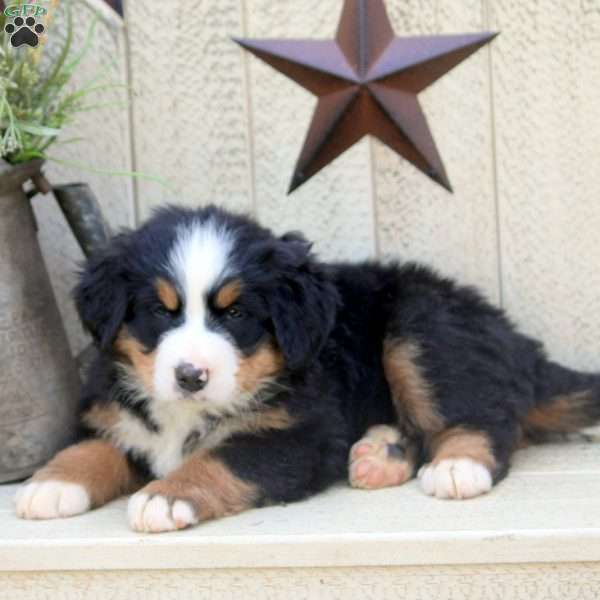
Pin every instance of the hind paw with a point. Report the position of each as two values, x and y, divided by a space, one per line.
380 459
456 479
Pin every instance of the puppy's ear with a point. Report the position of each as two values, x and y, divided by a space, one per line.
101 296
303 304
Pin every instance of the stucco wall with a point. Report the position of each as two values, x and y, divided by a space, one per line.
575 581
518 126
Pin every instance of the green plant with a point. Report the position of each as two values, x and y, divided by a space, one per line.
36 100
37 95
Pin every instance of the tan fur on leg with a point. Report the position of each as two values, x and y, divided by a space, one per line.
462 464
81 477
97 466
413 396
202 488
460 442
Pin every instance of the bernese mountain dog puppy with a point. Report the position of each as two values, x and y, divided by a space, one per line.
236 370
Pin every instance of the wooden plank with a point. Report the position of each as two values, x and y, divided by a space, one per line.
334 209
189 103
417 219
546 70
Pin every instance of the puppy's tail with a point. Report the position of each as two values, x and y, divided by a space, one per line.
566 401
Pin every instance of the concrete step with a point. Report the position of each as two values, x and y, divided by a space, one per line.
545 514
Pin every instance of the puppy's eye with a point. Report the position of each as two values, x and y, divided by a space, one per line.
234 313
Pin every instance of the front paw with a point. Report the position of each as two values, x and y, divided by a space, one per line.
152 512
51 500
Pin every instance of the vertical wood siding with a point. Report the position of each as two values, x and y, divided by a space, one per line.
518 126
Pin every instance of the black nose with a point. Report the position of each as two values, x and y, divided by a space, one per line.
189 378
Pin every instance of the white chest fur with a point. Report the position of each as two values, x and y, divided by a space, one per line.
182 427
163 449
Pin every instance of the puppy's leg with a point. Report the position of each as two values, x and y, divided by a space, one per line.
247 472
81 477
382 458
465 462
203 488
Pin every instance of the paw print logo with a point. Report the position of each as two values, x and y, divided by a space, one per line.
24 31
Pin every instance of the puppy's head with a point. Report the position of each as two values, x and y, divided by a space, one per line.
206 306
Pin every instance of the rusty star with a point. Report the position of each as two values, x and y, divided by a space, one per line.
367 81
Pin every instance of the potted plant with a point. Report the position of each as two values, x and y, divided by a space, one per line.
38 378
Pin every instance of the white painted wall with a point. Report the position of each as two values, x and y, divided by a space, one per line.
518 126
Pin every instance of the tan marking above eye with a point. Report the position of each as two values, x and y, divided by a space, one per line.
228 294
167 294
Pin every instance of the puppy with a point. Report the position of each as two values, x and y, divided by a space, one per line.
236 370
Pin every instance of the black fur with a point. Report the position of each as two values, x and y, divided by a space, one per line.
330 321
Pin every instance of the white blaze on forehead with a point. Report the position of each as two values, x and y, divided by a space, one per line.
198 260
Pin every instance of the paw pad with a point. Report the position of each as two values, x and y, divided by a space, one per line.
24 31
379 460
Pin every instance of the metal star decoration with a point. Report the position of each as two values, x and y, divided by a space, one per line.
367 81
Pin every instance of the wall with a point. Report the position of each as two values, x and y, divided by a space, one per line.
518 127
104 144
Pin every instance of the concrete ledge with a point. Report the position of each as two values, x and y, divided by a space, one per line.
547 511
